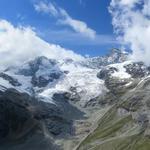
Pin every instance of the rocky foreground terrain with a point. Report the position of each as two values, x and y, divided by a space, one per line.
100 103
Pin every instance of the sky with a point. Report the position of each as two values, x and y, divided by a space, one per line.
97 39
62 29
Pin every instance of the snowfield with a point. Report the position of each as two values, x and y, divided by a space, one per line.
74 75
84 80
121 71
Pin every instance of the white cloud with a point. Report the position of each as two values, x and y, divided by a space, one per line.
46 8
128 2
131 21
19 44
65 19
72 38
146 8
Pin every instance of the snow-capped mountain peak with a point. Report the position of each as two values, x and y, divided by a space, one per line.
44 77
115 56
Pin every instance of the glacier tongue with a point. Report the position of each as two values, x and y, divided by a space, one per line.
70 75
85 82
43 77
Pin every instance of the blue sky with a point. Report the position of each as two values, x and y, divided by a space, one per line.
96 39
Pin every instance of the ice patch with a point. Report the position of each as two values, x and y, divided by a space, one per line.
121 71
4 84
85 81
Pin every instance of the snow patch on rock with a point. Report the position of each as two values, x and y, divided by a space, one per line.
121 71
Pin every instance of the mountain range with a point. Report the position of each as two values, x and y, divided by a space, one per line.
99 103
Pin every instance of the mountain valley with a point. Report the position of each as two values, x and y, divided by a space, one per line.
99 103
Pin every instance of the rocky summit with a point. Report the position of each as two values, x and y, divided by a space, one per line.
99 103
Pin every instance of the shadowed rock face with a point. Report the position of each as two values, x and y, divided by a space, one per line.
106 72
137 70
13 116
25 120
13 112
41 81
11 80
33 66
42 71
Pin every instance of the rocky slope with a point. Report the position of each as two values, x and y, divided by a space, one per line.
100 103
126 125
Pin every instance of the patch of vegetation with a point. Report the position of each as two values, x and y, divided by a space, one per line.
132 104
109 126
136 142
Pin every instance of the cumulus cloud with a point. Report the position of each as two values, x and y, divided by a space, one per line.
19 44
65 19
46 8
131 21
73 38
129 3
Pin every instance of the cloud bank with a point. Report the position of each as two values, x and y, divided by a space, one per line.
131 21
19 44
65 19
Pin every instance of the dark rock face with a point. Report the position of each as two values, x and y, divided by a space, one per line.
34 66
10 79
115 86
42 71
106 72
21 114
137 70
13 112
42 81
70 111
74 95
